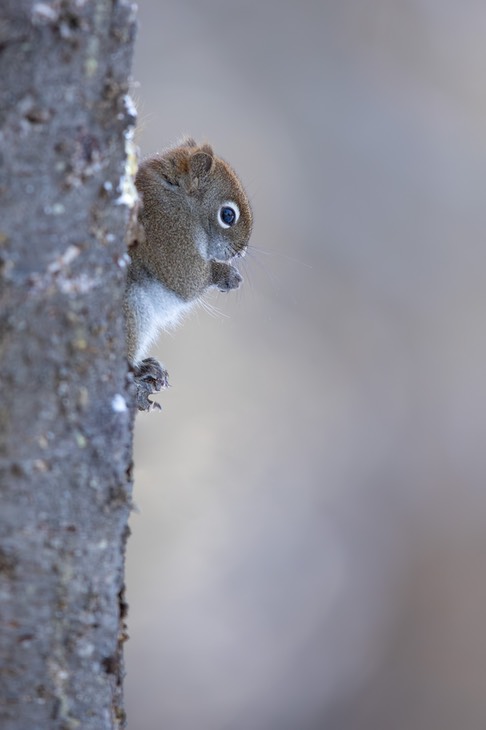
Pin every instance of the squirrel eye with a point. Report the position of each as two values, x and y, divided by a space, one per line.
228 214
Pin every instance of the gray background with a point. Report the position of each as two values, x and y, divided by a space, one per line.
310 552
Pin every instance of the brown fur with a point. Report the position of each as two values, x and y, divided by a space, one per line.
183 246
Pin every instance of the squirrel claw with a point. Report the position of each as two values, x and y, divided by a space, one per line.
143 401
150 377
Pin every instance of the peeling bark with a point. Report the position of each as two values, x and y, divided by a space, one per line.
66 410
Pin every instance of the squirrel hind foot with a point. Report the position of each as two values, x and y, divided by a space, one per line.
150 378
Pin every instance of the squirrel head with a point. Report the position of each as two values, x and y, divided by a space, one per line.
202 195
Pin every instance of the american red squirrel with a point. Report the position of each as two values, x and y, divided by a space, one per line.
194 219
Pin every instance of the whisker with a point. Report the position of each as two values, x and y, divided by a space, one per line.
212 310
268 273
265 252
247 281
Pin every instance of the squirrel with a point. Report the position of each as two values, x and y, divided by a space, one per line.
194 220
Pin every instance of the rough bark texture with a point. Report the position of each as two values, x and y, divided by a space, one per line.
65 401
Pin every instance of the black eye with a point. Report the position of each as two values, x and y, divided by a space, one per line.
228 214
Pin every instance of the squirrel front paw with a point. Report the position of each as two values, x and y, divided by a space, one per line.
225 276
150 377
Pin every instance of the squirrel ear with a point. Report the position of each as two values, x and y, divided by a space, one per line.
184 167
201 162
171 166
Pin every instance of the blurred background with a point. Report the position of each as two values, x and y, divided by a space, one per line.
310 547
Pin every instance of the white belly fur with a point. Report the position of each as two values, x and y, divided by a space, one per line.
156 308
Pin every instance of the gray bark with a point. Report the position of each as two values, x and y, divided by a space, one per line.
65 399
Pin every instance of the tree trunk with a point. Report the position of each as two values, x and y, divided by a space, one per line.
65 401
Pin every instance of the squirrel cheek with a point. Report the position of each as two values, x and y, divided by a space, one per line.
219 249
202 245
